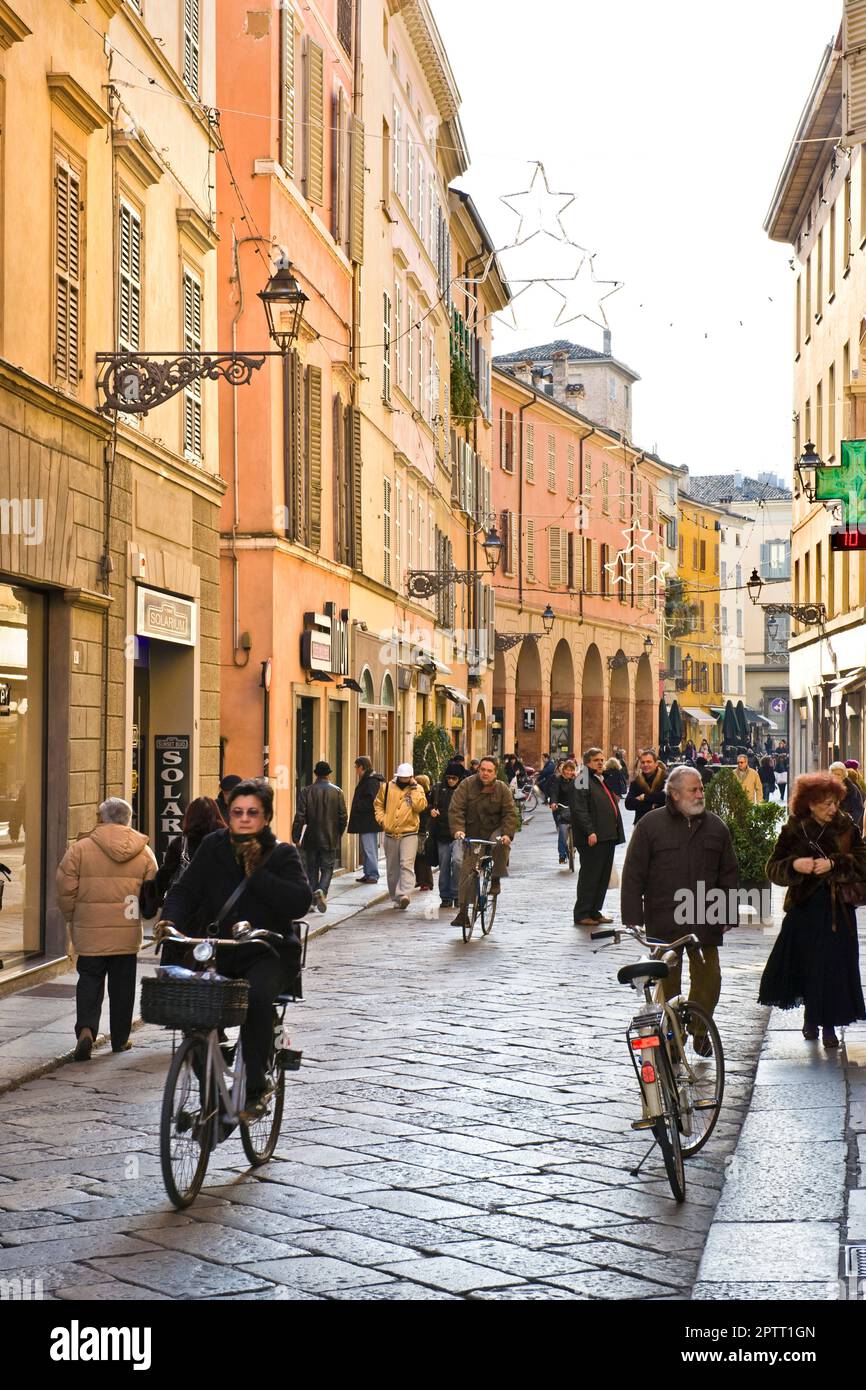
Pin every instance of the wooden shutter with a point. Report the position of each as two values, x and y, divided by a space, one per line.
596 587
292 447
191 44
530 549
555 539
386 530
356 480
129 289
569 558
339 167
356 211
570 479
314 455
314 122
386 346
67 274
578 561
551 462
287 91
854 72
338 434
192 400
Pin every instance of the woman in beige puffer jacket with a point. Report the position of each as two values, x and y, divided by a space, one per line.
98 883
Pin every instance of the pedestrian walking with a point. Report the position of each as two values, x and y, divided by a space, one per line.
767 774
815 958
647 791
99 880
482 808
397 809
748 779
201 818
561 802
854 773
597 830
852 800
423 866
319 823
513 768
615 777
226 785
473 767
674 859
362 821
546 775
448 850
780 760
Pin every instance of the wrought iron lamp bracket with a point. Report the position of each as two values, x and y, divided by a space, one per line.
810 614
426 583
506 640
133 383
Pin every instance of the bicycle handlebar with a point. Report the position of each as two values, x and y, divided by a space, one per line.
243 937
638 935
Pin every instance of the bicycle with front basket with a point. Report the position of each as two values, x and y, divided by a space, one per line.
677 1055
205 1090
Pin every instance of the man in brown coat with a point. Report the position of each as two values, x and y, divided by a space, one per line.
482 808
98 883
679 873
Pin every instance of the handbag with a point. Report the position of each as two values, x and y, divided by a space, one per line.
852 894
613 881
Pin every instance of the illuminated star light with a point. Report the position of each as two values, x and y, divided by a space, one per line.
581 297
536 213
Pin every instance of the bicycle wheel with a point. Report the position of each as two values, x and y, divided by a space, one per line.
701 1080
488 911
186 1123
667 1132
570 849
530 802
259 1138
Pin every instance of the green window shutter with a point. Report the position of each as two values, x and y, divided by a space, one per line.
129 289
314 455
191 45
293 449
67 277
356 211
314 118
357 495
338 430
339 167
287 91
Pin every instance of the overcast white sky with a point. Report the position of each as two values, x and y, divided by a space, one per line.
670 120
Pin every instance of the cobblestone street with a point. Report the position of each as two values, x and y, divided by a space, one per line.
460 1128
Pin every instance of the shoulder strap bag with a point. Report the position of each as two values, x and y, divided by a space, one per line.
852 894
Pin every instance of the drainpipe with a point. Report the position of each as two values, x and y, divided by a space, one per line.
520 414
580 519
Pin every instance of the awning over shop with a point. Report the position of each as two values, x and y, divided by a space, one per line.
753 717
700 716
838 688
452 693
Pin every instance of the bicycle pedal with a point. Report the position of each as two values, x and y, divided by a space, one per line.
642 1124
289 1058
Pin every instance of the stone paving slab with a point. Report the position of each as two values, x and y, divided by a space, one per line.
460 1129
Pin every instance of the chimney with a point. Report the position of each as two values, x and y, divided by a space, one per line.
523 371
560 376
607 351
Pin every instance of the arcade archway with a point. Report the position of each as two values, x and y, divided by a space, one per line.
562 700
592 689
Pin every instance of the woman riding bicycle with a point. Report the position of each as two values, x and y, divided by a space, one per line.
275 893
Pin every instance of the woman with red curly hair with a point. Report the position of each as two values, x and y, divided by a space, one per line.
815 961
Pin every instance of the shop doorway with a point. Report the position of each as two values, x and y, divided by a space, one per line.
305 721
22 770
162 773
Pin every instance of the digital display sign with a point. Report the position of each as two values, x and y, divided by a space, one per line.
848 538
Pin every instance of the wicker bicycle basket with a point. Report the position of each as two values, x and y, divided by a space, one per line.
194 1003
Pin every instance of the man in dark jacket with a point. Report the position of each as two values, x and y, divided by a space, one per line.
482 808
446 846
597 829
362 821
679 871
276 892
647 791
318 825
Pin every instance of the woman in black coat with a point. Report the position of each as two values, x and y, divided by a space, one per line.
202 817
560 796
767 774
276 892
815 961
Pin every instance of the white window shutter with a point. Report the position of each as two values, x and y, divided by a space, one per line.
854 72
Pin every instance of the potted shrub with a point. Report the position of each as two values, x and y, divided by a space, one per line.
753 828
432 750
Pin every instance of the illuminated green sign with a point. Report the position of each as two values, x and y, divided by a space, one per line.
846 483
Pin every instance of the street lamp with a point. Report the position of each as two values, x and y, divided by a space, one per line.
284 302
548 617
648 645
772 627
807 466
504 641
492 547
132 383
754 586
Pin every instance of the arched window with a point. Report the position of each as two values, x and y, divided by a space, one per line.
368 695
388 692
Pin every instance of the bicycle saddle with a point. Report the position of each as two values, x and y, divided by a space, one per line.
643 970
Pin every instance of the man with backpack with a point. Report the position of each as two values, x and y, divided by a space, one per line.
318 825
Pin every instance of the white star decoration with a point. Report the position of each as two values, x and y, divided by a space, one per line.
581 297
536 213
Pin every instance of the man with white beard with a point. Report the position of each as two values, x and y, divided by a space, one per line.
683 849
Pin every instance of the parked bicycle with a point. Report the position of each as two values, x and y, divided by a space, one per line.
677 1055
483 907
205 1090
525 790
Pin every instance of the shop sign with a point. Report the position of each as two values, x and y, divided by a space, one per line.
172 782
164 617
529 720
325 641
316 647
457 720
778 706
425 684
404 677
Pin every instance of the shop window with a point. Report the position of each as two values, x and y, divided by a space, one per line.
22 724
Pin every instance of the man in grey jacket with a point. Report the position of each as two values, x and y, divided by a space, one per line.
318 825
681 876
